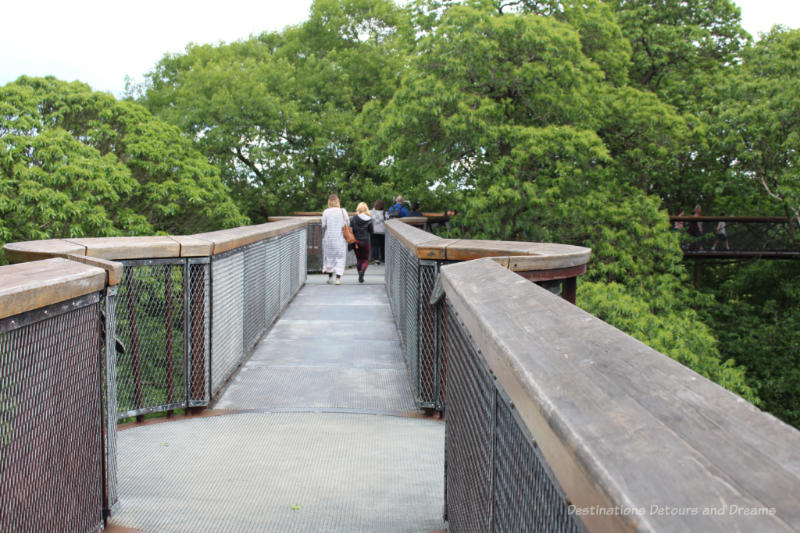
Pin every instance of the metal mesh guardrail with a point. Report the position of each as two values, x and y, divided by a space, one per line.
181 337
51 422
409 284
402 279
145 345
430 326
255 297
250 286
273 261
198 320
150 311
495 476
745 237
111 497
314 248
227 311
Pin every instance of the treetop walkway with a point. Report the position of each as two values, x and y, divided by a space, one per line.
303 399
746 237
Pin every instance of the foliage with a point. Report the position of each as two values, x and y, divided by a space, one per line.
757 322
79 163
580 122
680 47
507 114
278 113
757 122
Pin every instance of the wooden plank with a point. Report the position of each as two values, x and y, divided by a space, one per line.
229 239
552 274
523 256
623 426
435 249
129 247
28 286
192 246
22 252
410 236
311 218
113 269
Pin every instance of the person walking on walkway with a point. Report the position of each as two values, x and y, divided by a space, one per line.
378 240
696 228
399 209
334 246
722 236
362 228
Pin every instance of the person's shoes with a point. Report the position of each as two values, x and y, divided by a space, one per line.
330 280
361 277
338 280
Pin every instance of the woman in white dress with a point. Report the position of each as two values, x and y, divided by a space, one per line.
334 247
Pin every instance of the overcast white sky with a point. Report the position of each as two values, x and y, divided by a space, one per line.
101 41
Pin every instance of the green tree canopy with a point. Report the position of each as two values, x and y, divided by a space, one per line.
508 114
80 163
680 47
278 113
756 123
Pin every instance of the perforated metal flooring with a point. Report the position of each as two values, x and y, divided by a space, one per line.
281 472
311 445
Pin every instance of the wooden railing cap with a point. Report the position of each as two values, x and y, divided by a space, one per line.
28 286
516 256
622 426
21 252
111 248
229 239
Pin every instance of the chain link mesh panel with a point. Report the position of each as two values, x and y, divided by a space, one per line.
429 324
468 434
296 258
227 311
150 328
314 248
251 286
525 495
273 280
411 323
302 268
51 425
286 271
495 477
255 298
409 283
199 342
110 398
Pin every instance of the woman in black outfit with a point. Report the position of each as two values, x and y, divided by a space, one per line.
362 228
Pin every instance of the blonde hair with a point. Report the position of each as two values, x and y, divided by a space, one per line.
362 208
333 201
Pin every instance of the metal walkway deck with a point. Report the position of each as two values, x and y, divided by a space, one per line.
318 431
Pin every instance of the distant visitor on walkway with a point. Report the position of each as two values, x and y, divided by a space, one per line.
378 243
362 227
334 246
399 209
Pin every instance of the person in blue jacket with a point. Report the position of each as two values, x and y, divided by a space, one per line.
398 210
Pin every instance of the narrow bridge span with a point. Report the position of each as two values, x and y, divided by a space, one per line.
555 421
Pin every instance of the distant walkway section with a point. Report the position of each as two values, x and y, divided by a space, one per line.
318 431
